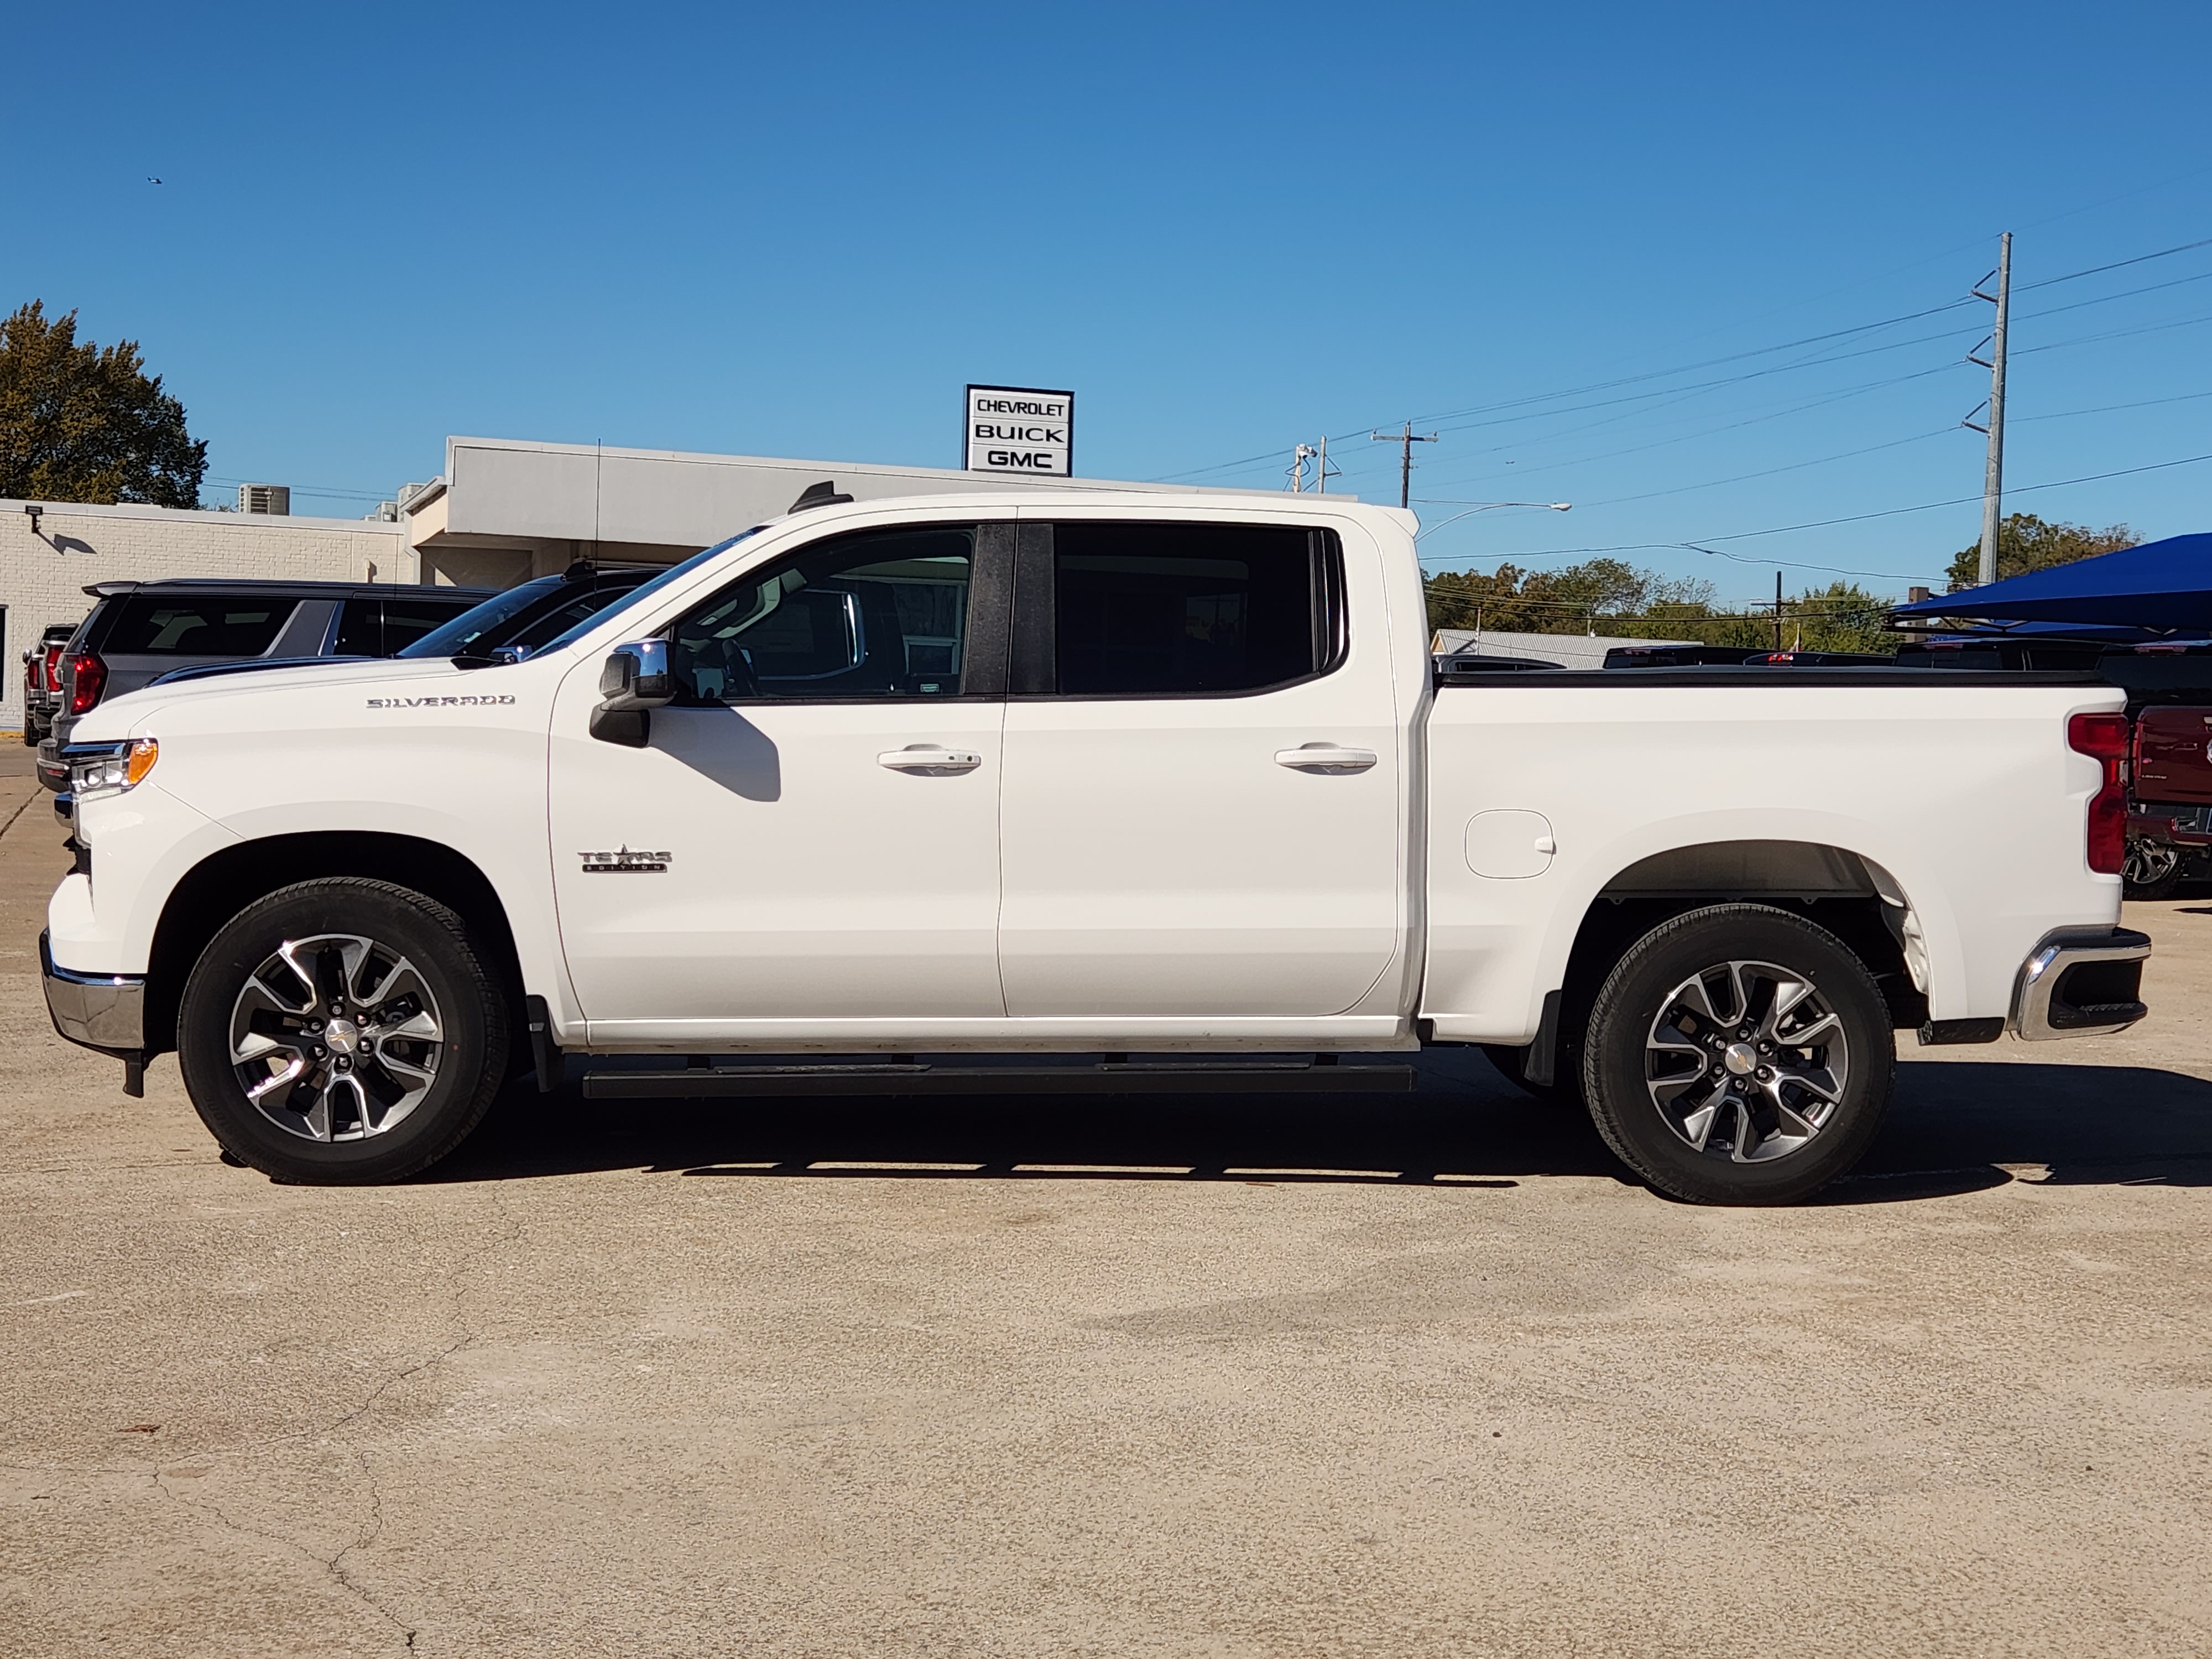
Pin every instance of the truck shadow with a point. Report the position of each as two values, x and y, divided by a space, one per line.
2054 1124
1955 1127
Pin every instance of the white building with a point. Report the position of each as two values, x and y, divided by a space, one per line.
506 510
50 551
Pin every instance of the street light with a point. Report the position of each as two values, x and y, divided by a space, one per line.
1485 506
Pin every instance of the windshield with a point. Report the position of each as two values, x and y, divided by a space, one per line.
454 639
629 600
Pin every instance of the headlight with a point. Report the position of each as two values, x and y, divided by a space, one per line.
109 768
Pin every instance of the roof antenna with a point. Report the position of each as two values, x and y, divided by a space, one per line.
824 493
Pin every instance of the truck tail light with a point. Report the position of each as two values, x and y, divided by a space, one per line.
88 679
54 667
2104 738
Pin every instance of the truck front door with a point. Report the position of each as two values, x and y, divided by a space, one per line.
1203 796
811 834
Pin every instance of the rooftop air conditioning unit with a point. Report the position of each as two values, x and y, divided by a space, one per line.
274 500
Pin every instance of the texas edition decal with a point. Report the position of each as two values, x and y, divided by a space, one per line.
624 862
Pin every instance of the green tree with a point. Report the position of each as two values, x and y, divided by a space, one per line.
1605 596
78 423
1841 617
2026 543
1570 600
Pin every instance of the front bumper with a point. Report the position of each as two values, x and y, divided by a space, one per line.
105 1011
2081 982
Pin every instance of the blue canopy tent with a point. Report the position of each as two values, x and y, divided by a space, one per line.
2165 586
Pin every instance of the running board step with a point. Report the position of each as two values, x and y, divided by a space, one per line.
1140 1077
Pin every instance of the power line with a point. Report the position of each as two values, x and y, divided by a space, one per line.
2117 265
2107 409
1814 339
1858 518
2055 345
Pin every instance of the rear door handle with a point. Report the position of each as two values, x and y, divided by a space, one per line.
1325 758
930 757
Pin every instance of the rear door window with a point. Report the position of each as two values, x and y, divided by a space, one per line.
163 625
384 627
360 629
1189 610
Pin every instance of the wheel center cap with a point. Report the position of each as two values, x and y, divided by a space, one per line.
1742 1059
343 1037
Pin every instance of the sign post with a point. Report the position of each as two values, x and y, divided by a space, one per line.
1020 430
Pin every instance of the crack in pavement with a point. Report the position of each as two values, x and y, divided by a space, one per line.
205 1507
335 1567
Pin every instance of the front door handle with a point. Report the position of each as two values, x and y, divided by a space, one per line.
930 757
1325 758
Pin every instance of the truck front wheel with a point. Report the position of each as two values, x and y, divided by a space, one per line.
1738 1055
342 1031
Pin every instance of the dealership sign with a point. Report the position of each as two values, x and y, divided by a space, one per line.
1014 428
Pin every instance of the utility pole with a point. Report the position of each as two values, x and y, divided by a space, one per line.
1298 467
1320 467
1777 610
1406 440
1993 476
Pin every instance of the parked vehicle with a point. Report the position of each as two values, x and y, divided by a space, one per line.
139 631
1474 662
1712 656
2169 817
523 618
42 685
514 621
1102 792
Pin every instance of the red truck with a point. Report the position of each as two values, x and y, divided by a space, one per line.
2169 796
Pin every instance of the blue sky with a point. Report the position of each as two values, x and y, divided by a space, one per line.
799 231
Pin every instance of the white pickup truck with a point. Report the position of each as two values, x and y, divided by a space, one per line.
1107 792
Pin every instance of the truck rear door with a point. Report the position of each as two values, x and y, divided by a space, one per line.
1200 812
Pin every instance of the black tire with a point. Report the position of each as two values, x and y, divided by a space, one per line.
1630 1058
2152 869
363 1136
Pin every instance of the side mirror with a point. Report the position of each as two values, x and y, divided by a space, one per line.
634 681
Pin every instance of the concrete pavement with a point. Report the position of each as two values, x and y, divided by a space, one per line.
1226 1377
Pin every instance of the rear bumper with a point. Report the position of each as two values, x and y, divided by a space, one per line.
2081 982
105 1011
2183 826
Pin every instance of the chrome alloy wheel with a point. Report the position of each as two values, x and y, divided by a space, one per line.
1747 1061
2148 862
336 1038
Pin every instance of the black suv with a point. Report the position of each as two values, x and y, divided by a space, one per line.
139 632
528 618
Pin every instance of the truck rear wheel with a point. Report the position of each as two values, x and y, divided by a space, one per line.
342 1031
1738 1055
